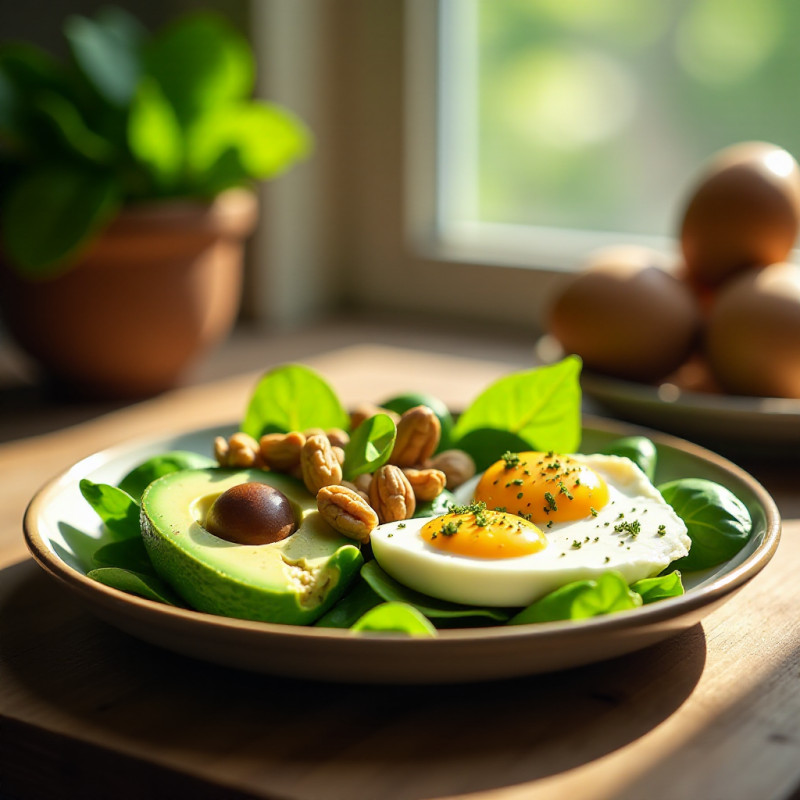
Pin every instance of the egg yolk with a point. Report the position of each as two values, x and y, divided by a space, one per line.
481 533
542 487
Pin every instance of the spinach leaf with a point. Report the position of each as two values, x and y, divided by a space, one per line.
292 398
638 449
358 600
390 590
395 618
441 504
370 446
79 547
147 586
581 599
139 478
127 554
718 523
118 510
659 588
542 406
487 445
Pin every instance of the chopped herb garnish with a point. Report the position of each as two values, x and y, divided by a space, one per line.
633 528
450 528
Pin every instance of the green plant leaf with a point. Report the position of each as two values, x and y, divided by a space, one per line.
139 478
118 510
201 62
72 130
51 213
580 600
659 588
394 618
718 523
233 143
127 553
123 25
638 449
292 398
25 73
391 590
155 137
370 446
148 586
487 445
9 106
541 406
106 50
358 600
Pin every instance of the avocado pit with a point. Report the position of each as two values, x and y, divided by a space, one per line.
251 513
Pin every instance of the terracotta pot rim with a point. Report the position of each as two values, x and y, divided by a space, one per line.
232 212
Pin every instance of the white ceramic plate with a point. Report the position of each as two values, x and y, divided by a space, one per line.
329 654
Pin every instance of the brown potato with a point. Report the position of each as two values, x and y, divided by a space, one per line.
753 336
626 315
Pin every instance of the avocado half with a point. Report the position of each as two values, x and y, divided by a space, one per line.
293 581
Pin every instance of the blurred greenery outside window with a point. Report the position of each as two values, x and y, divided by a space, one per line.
568 124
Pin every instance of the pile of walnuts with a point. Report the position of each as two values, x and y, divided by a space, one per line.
414 472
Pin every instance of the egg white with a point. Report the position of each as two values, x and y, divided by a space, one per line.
583 549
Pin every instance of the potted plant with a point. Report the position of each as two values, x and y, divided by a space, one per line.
126 177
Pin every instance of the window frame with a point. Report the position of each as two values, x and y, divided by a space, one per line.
372 237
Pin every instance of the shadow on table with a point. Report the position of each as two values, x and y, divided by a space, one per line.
304 739
33 410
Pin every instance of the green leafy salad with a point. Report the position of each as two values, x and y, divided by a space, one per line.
399 518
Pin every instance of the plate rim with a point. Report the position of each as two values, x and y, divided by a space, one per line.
595 384
549 350
651 614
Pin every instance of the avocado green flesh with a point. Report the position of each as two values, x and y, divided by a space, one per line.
293 581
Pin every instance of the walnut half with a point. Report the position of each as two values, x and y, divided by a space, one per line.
347 512
319 463
391 495
418 434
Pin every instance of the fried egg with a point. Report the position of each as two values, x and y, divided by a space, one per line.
537 521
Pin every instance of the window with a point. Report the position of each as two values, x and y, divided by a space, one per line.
471 151
567 125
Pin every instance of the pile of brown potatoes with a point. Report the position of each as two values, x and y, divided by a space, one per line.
725 315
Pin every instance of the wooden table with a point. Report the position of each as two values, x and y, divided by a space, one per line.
86 711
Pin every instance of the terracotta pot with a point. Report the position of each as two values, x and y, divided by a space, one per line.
153 293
